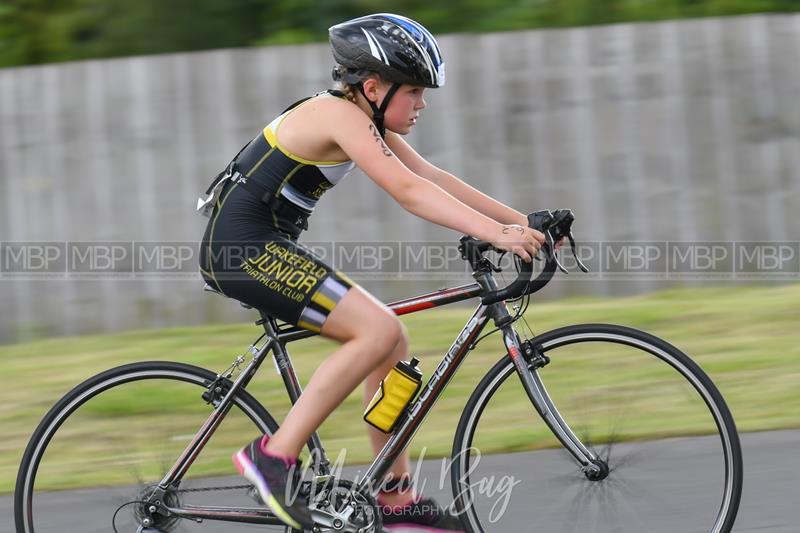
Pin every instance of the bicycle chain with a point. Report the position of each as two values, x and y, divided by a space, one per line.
211 489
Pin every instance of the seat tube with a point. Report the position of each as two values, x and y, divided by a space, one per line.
213 421
285 369
542 402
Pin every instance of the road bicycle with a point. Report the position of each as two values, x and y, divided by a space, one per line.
628 435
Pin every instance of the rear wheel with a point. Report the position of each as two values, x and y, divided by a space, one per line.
667 454
103 447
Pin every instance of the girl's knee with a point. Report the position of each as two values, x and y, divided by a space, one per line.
401 349
359 317
389 335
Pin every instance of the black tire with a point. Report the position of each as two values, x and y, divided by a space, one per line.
123 416
677 468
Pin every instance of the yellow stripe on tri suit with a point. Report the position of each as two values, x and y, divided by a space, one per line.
296 179
263 158
219 206
323 301
272 139
271 134
344 278
308 326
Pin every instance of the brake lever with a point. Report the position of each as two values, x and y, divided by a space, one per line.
552 250
573 246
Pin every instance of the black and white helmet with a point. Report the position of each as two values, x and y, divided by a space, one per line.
396 47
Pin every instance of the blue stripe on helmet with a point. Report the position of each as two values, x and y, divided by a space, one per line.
407 24
422 35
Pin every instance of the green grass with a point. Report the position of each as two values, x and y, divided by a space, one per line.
745 338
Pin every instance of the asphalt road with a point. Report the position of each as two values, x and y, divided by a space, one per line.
770 502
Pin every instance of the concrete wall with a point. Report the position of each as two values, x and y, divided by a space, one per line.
676 131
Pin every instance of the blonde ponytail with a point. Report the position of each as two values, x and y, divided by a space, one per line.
349 93
348 90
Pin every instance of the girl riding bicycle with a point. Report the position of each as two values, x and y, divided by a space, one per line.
261 205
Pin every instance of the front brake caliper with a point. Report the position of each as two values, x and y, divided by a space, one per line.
533 354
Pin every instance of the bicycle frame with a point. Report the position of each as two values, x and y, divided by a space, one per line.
276 339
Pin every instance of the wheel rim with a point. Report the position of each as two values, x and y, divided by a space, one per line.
555 349
55 488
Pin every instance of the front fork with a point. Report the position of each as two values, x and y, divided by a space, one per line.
527 359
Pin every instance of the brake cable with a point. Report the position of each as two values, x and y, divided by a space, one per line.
520 310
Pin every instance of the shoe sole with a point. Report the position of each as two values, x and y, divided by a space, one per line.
249 471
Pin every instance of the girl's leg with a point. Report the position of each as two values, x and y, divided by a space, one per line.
402 465
372 340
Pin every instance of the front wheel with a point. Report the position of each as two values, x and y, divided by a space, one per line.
104 446
667 452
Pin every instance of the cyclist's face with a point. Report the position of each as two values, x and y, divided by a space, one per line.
404 108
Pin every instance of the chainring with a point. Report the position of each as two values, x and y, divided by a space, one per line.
336 497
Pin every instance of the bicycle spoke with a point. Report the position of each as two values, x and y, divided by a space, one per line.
663 466
117 445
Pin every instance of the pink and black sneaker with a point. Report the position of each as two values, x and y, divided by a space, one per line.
277 480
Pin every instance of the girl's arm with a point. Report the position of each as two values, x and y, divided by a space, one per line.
352 130
464 192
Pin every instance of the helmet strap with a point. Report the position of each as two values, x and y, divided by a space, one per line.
377 112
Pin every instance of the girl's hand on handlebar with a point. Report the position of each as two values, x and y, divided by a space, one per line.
520 240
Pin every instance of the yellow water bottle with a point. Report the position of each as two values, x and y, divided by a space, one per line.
396 391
